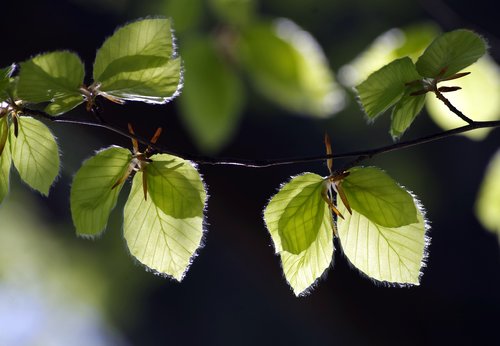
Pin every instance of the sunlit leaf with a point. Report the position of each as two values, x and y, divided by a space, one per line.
375 195
404 112
288 66
478 98
54 77
394 255
236 12
384 87
35 154
301 227
450 53
175 187
5 160
4 81
138 63
92 193
212 99
163 243
488 200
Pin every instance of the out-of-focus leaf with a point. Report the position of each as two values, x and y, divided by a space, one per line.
138 63
5 81
235 12
212 98
92 194
5 160
54 77
35 154
488 199
186 14
288 66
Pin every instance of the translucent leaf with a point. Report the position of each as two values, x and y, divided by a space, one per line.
394 255
54 77
5 161
92 193
478 98
405 111
375 195
300 224
451 52
161 242
288 66
384 87
212 99
138 63
488 200
35 154
175 187
5 81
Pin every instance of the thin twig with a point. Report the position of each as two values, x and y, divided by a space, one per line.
452 108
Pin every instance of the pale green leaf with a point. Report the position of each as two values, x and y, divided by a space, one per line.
161 242
54 77
288 66
301 227
374 194
450 53
5 81
5 161
35 154
384 87
212 99
405 111
138 63
175 187
92 196
394 255
488 199
235 12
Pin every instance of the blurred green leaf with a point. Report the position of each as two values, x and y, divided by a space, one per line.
5 81
5 159
386 86
488 200
212 99
54 77
450 53
161 242
92 196
405 111
288 66
35 154
235 12
186 14
300 224
394 255
175 187
138 63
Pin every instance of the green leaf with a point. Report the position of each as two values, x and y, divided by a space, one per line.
301 227
488 200
405 111
92 193
235 12
54 77
138 63
35 154
375 195
186 14
451 52
5 74
212 99
161 242
5 160
394 255
288 66
384 87
175 187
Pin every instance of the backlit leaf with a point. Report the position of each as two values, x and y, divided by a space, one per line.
5 161
35 154
4 82
301 227
92 196
488 200
163 243
54 77
404 112
138 63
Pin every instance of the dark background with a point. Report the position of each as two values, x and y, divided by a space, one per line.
235 293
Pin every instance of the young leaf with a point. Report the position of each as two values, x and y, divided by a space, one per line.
54 77
138 63
35 154
384 87
92 193
375 195
488 201
450 53
405 111
212 98
5 160
161 242
4 81
175 186
301 227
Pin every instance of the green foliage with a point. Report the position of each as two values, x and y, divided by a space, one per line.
405 111
236 12
5 74
93 194
488 201
5 159
54 77
35 154
138 63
